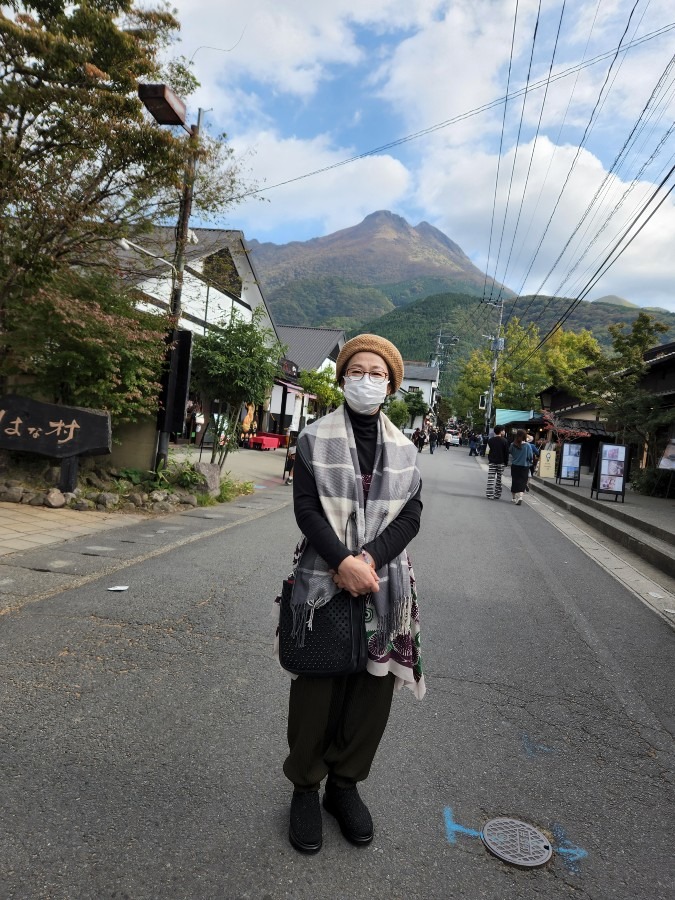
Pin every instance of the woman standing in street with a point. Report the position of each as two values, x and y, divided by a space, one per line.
522 456
357 503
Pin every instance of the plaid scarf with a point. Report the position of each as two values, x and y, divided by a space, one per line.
328 449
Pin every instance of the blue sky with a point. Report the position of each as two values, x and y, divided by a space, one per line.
306 85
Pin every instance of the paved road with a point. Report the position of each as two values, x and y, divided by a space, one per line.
142 732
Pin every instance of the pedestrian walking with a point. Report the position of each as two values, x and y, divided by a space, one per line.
433 440
498 458
521 459
473 445
357 503
421 440
446 440
535 457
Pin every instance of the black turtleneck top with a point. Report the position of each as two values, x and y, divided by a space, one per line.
313 524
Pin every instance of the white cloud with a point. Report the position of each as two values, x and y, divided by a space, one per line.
643 273
422 62
335 199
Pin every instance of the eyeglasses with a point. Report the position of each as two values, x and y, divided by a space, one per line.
375 377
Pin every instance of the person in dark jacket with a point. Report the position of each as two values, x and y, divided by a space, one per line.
498 458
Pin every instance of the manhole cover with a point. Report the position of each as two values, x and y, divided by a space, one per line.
516 842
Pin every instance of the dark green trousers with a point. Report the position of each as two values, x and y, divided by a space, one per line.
334 728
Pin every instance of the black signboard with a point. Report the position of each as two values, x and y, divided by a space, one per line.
610 471
50 430
570 464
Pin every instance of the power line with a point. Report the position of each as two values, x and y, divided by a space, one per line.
461 117
499 155
608 261
534 145
577 154
550 164
515 154
605 181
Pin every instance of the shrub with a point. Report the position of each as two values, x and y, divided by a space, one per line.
654 482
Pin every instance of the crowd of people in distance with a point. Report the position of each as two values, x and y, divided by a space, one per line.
522 454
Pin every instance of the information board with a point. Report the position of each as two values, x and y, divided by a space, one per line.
547 463
570 463
610 471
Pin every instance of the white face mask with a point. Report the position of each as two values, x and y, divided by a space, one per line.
363 396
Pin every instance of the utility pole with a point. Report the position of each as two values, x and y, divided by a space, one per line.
182 234
439 356
497 347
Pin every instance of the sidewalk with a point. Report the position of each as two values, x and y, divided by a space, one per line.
24 527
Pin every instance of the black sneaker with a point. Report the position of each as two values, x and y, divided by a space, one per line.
305 829
351 812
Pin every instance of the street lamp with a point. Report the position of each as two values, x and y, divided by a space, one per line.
168 109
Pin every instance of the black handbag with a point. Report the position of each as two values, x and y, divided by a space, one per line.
336 643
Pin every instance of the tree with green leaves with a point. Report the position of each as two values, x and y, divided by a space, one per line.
417 405
81 166
474 381
234 365
614 386
566 354
84 342
397 411
322 385
523 370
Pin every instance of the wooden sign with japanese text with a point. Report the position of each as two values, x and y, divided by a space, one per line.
30 426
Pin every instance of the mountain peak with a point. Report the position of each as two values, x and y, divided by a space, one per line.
383 249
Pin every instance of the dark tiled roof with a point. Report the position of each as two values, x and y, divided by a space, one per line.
420 373
584 425
309 347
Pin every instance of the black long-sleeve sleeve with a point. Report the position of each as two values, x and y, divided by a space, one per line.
313 524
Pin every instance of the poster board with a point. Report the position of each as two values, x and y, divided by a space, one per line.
547 460
610 471
667 461
570 464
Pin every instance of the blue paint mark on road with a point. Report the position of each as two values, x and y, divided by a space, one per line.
569 853
452 828
532 749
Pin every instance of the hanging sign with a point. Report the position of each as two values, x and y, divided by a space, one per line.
547 463
610 471
570 463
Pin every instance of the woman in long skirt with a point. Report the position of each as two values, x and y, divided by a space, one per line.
521 459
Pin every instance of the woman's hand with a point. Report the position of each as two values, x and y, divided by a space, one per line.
356 576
